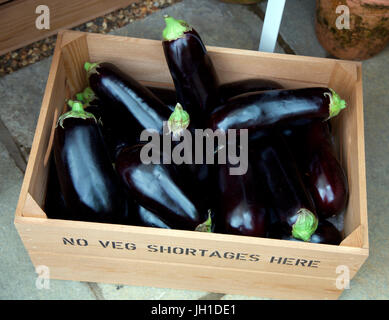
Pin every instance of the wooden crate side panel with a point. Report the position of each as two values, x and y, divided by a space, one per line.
352 156
53 107
185 276
145 61
245 253
35 177
75 54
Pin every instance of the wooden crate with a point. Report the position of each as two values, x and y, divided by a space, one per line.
97 252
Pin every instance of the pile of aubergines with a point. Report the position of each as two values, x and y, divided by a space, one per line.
294 184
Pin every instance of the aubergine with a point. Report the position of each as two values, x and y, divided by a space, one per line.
326 233
55 206
159 188
194 75
241 208
133 107
166 95
92 190
146 218
236 88
268 109
276 169
324 177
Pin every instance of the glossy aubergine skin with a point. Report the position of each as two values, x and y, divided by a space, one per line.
240 208
89 184
158 188
326 233
55 206
275 167
133 107
166 95
323 175
265 109
194 76
146 218
233 89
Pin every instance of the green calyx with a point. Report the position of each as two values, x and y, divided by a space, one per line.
86 96
336 104
305 225
206 226
77 111
174 28
90 66
80 97
178 121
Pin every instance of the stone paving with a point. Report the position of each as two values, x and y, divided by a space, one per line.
219 24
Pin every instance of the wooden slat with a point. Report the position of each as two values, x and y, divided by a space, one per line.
75 54
185 276
35 177
189 247
17 23
32 209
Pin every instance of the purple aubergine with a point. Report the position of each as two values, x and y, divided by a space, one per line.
276 169
326 233
92 190
194 75
240 208
166 95
159 189
235 88
324 177
265 109
146 218
55 206
133 107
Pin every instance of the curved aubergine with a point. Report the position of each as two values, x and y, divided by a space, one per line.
241 208
134 107
269 108
194 76
178 120
89 184
158 188
166 95
326 233
276 169
233 89
323 175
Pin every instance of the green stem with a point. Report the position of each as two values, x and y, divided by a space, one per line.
77 111
90 66
206 226
336 104
80 97
305 225
86 96
178 121
174 28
